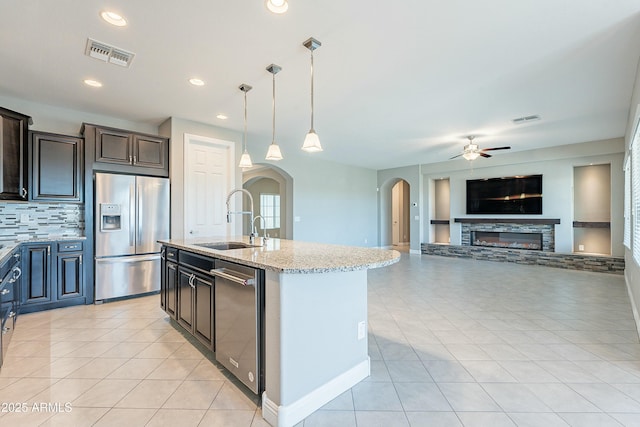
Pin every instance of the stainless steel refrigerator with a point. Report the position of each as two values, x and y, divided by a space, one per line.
131 214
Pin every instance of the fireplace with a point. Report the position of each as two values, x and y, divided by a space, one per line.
544 227
506 239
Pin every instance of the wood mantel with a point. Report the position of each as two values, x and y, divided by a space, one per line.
508 220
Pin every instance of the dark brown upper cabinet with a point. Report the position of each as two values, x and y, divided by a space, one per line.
118 150
113 146
56 168
14 128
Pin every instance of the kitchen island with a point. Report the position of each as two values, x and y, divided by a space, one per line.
314 320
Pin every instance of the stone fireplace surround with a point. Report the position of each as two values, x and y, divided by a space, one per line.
595 263
544 226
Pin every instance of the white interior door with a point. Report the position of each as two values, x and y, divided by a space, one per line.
395 213
208 177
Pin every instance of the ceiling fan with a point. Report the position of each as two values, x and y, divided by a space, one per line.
472 151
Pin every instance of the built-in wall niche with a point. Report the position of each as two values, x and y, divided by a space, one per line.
592 209
441 213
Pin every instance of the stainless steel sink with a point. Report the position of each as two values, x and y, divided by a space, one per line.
225 246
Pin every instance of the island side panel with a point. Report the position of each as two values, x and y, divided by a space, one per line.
313 351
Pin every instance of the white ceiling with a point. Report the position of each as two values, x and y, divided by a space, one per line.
397 83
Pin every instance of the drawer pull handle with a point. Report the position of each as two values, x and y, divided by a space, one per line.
5 292
12 314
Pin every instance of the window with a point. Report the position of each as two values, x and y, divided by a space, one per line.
635 194
270 210
627 204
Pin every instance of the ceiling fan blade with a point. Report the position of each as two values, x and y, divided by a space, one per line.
451 158
485 154
496 148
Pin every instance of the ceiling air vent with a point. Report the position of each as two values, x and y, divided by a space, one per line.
526 119
108 53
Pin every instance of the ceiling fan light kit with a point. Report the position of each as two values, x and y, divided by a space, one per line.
472 150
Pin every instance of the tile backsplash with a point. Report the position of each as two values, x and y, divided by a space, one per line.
22 221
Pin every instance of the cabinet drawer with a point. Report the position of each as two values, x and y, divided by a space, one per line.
69 246
7 292
172 254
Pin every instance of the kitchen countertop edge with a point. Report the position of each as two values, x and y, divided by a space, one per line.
293 257
8 246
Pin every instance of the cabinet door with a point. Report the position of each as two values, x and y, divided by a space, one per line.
171 289
149 151
203 319
13 137
185 298
70 276
56 168
113 146
36 274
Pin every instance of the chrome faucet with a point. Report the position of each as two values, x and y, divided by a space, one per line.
264 228
252 235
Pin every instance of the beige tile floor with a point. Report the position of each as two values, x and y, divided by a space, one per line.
452 343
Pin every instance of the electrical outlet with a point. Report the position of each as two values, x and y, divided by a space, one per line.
24 217
581 247
362 330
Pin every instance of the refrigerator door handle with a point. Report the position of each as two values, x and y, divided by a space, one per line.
127 259
139 207
132 214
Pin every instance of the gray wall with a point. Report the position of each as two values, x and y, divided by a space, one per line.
557 167
332 202
47 118
386 180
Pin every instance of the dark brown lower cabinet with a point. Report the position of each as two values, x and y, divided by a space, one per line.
53 275
37 274
196 304
70 276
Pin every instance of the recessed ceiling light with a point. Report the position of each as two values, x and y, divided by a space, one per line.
222 117
196 82
113 18
92 83
277 6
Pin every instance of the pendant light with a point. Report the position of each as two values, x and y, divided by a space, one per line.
245 160
274 150
311 141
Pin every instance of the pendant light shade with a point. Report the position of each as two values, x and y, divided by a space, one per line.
312 141
245 159
274 150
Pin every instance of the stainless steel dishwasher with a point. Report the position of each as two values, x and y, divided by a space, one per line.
239 308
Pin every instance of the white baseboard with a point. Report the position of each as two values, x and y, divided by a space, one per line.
634 308
290 415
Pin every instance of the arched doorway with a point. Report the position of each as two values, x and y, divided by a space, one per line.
395 224
272 192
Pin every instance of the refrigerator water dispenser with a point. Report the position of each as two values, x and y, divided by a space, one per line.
110 217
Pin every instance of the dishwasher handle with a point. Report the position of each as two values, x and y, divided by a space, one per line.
235 278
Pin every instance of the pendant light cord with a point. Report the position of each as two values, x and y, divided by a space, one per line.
311 89
273 121
245 120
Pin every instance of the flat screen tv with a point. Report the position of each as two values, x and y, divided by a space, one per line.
517 195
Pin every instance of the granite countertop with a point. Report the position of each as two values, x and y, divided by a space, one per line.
289 256
7 246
